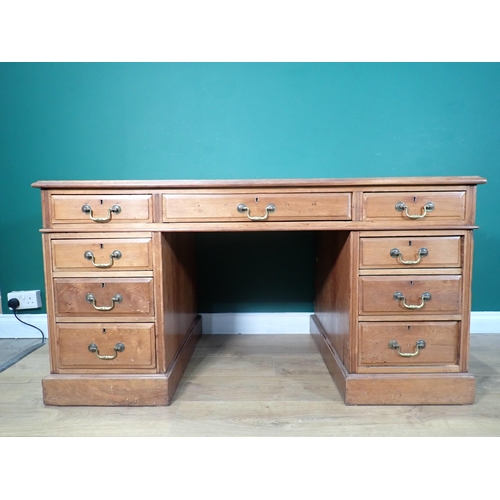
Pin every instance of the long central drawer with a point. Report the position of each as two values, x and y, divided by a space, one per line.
266 206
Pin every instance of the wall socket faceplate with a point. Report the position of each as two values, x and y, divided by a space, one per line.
28 299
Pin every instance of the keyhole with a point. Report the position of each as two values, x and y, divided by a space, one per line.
409 243
102 246
102 285
104 331
409 327
256 200
414 199
101 202
411 283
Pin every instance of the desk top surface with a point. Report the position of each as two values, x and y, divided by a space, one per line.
256 183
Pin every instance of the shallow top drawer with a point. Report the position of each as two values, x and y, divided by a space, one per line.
256 207
98 209
114 254
412 206
410 251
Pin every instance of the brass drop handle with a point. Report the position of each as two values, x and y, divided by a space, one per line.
115 209
91 299
422 252
393 344
114 256
118 348
426 296
242 208
428 207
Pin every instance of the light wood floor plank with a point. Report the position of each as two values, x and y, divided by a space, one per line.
258 388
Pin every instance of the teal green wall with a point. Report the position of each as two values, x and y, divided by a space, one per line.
173 121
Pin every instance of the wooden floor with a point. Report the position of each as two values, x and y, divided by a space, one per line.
252 385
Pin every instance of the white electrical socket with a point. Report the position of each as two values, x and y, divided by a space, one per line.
28 299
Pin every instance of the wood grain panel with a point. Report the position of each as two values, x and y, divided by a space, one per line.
289 206
377 294
135 254
71 297
105 390
334 289
449 206
67 208
179 290
443 251
423 389
73 341
441 338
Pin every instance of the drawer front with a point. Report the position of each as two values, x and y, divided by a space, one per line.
445 206
287 206
408 252
99 209
408 344
382 295
100 298
105 347
102 254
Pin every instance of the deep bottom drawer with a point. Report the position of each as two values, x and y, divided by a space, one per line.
104 347
412 344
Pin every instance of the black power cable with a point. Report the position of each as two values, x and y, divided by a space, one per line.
14 304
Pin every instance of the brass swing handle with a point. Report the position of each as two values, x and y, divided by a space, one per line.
91 299
118 348
426 296
242 208
393 344
115 209
428 207
114 256
422 252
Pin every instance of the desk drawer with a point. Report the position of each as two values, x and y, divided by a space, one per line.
395 344
102 254
412 294
414 206
91 346
268 206
407 252
100 208
97 299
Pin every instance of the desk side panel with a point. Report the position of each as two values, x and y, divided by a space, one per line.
334 289
178 293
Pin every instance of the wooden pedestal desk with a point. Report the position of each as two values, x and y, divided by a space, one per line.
393 282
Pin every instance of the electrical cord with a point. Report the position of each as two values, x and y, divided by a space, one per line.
14 304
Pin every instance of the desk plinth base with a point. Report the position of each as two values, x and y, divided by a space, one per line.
393 389
156 389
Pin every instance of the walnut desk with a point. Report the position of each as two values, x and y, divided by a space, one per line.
393 282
